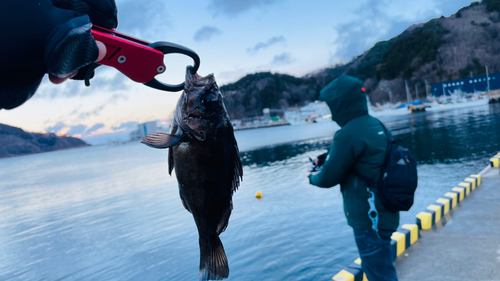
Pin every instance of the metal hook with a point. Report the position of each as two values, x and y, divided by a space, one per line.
172 48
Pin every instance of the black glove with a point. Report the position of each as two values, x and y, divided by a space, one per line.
39 37
321 159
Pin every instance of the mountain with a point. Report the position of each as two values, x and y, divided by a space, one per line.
16 142
248 96
441 49
251 94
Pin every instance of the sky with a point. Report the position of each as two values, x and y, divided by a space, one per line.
233 38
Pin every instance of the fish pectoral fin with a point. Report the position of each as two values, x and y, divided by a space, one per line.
185 206
161 140
170 160
224 220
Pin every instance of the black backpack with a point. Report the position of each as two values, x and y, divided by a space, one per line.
398 179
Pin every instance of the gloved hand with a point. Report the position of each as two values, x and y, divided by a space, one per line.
321 159
45 36
316 164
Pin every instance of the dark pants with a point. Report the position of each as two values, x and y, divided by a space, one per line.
375 253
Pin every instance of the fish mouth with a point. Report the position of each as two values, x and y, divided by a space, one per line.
198 115
198 124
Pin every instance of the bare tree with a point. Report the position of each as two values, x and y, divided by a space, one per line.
386 86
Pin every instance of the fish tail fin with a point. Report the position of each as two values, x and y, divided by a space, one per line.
213 260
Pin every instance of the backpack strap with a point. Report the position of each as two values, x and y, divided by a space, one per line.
390 140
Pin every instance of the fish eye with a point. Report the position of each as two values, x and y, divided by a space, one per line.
209 98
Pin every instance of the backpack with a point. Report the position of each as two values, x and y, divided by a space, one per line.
398 179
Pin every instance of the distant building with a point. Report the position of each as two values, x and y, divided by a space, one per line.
143 129
316 112
467 85
135 135
236 123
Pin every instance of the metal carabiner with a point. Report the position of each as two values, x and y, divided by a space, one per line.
372 212
172 48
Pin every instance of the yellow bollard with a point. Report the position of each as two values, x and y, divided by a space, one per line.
495 162
425 220
400 239
478 177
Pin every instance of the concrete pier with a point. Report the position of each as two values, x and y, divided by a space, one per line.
466 246
459 237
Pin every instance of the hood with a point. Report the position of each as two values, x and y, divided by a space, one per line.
346 99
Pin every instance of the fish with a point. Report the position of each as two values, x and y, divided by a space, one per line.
204 153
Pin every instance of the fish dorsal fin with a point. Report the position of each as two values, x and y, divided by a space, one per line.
238 167
161 140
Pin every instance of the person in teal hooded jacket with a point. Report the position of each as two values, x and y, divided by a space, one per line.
355 157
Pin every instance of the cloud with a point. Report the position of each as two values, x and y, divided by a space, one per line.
94 112
56 128
106 138
282 59
235 7
76 88
127 126
448 7
370 25
206 33
377 20
70 88
77 130
262 45
143 19
165 123
75 111
62 128
97 111
94 128
117 97
115 83
95 135
232 75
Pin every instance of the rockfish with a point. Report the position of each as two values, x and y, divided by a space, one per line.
203 151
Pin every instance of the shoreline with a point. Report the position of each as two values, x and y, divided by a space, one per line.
270 135
62 149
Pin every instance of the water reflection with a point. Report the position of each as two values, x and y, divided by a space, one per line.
453 136
265 156
434 137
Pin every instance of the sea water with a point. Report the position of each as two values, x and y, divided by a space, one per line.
114 213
